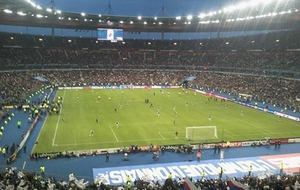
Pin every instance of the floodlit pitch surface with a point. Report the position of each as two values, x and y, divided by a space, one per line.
140 124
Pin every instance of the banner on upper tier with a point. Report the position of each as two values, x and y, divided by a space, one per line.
261 166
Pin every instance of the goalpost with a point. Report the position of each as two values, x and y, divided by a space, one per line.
201 133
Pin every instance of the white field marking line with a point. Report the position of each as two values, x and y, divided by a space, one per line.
24 164
38 137
161 135
109 142
113 132
58 120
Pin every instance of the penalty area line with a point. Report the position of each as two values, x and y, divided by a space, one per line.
113 132
161 135
58 120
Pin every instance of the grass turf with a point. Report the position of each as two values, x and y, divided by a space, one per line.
139 124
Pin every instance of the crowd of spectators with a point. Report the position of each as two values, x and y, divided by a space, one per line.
136 58
11 178
15 87
284 93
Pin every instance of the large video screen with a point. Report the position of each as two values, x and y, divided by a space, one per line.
110 34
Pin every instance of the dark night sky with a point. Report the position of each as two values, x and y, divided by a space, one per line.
139 7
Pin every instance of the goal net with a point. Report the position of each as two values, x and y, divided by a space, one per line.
201 133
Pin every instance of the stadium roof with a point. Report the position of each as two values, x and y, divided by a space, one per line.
252 15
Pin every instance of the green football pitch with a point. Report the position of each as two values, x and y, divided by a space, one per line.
169 111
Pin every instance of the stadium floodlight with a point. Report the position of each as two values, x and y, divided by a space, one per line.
178 18
246 4
139 17
189 17
20 13
8 11
212 13
230 20
202 15
204 22
121 21
145 22
82 14
39 16
131 22
240 19
155 18
282 12
49 10
274 14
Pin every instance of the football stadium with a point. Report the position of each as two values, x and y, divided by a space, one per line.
158 95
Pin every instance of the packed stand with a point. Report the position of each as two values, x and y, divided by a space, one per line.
16 86
134 58
285 93
11 178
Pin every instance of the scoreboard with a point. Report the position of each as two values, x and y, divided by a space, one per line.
110 34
